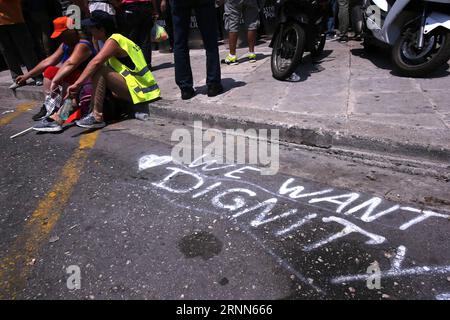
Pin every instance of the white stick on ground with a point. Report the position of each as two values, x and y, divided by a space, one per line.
21 133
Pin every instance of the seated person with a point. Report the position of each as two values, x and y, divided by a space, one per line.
64 66
125 73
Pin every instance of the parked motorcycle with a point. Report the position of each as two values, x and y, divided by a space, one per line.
418 32
301 26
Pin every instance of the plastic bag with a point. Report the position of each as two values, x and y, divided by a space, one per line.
159 34
66 109
53 101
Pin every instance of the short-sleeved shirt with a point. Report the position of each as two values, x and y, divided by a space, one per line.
10 12
67 51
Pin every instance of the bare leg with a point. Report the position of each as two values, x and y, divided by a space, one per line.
46 86
107 78
117 84
251 38
232 42
99 88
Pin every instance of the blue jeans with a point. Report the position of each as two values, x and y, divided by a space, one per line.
205 13
331 20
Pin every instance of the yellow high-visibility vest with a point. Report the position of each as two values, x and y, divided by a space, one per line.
140 81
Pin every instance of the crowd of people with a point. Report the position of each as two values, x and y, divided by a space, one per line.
111 52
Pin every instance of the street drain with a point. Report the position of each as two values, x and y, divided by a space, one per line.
200 244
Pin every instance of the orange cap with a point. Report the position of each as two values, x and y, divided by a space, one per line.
60 25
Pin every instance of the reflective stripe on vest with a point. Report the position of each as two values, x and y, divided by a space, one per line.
140 73
146 90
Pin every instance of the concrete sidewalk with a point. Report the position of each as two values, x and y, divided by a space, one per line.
346 100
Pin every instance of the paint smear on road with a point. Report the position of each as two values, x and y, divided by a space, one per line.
21 108
17 264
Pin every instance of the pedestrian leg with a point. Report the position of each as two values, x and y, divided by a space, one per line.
207 24
183 73
145 33
343 16
7 48
24 45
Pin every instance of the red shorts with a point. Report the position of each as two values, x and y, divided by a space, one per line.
51 72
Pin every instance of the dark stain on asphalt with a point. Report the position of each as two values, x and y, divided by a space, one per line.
224 281
200 244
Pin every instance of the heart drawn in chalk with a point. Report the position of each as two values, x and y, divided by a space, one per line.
153 160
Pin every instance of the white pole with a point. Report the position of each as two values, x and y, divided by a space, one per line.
21 133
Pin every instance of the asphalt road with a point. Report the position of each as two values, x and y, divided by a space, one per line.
113 205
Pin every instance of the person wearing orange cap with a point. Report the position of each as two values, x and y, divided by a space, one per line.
64 66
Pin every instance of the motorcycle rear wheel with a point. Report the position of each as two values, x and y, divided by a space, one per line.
287 51
411 62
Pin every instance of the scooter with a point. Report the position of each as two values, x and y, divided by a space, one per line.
418 32
301 26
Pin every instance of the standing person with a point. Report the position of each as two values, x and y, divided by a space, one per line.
331 23
136 22
167 11
219 14
103 5
234 10
16 43
39 24
205 13
344 21
120 66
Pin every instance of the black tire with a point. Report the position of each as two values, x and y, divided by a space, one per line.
284 73
318 47
404 68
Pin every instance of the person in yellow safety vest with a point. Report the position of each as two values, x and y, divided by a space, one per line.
120 66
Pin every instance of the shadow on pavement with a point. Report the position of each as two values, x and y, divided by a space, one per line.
227 83
165 65
85 131
259 56
321 57
380 57
311 65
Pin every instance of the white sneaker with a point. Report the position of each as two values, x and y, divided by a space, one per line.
14 86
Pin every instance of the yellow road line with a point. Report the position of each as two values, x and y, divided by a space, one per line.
21 108
17 264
